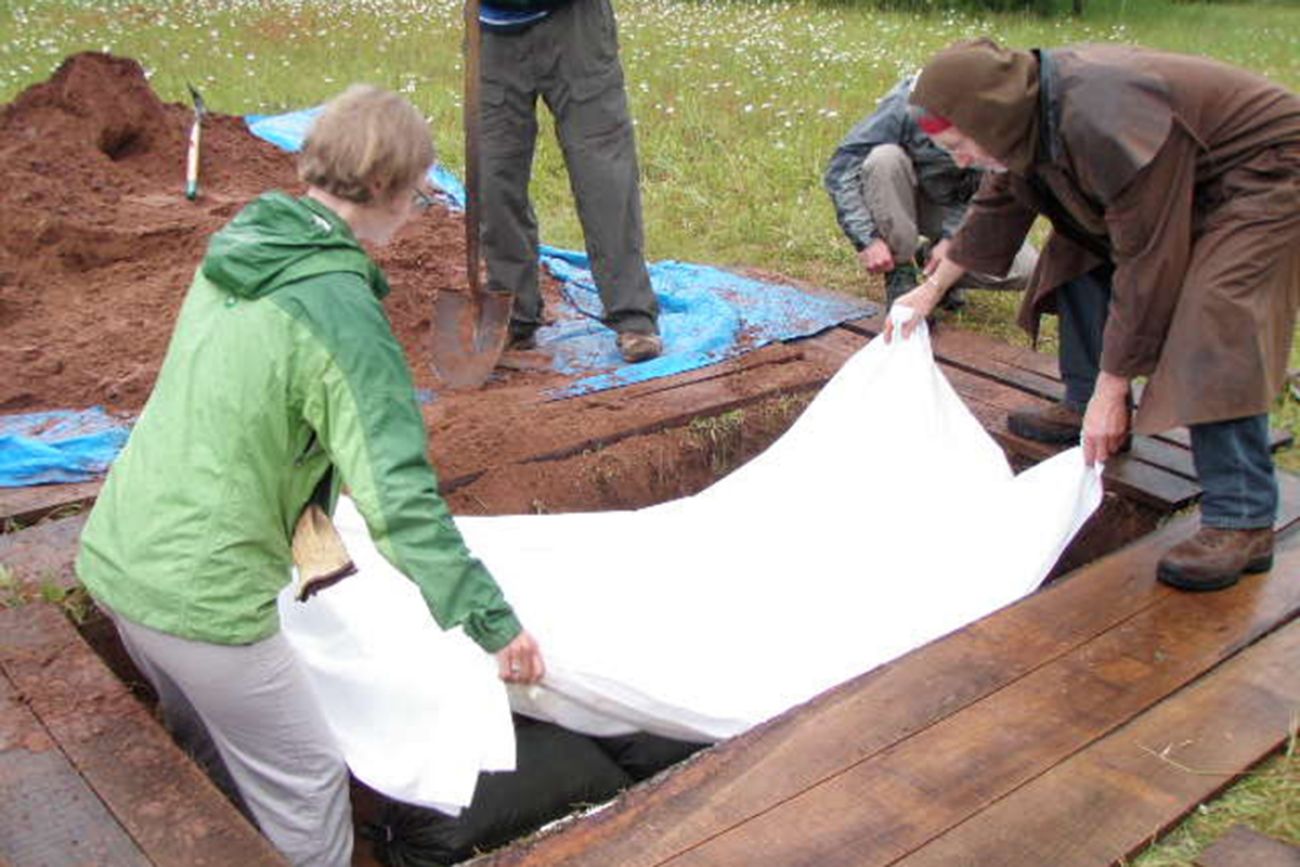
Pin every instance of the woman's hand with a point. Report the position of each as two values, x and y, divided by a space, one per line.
1106 420
923 299
521 661
920 301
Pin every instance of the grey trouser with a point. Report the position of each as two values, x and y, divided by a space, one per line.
903 213
571 59
247 713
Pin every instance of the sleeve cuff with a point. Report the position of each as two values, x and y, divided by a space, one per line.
493 630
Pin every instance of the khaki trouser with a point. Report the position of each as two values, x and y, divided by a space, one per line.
570 59
902 214
247 714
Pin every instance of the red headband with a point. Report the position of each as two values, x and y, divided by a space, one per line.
932 124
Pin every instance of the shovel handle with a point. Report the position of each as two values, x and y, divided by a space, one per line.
473 67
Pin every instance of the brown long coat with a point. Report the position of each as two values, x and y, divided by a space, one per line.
1185 174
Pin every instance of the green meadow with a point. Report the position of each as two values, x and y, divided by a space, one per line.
738 104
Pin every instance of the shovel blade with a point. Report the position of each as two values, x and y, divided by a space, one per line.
468 337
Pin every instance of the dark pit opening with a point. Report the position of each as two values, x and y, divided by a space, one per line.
120 143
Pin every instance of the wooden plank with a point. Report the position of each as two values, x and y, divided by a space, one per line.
991 401
44 554
1243 846
877 810
1036 374
20 507
1158 475
167 805
756 772
48 815
769 765
1108 801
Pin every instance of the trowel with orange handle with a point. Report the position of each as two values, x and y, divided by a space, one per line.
192 155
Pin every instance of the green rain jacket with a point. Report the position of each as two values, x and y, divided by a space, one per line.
283 379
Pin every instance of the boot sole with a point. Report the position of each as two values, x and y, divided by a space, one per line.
1174 578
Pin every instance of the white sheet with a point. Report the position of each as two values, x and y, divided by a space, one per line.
884 518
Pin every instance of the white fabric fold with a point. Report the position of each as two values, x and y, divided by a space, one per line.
884 518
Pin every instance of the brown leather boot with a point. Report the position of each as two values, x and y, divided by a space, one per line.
1214 558
1058 424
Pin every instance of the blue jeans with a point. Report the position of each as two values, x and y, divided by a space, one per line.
1232 457
1235 468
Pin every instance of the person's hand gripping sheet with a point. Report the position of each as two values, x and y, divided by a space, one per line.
520 661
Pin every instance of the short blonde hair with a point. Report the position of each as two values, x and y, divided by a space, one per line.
366 138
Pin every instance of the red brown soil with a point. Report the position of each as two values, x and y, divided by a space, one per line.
98 245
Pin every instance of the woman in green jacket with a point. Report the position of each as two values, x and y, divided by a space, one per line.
283 382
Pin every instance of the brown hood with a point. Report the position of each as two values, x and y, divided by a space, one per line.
990 94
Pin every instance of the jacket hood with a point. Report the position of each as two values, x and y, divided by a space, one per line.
988 92
277 240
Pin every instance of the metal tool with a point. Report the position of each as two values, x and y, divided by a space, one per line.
470 328
192 155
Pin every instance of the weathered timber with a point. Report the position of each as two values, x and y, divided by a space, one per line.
1109 800
169 808
48 814
21 507
873 744
1242 846
43 554
880 809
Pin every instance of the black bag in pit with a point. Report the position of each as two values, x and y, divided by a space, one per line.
557 772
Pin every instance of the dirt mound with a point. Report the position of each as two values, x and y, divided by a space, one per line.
98 242
98 245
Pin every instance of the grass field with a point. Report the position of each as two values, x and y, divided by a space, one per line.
738 105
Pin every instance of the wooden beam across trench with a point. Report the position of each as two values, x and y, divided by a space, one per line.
1066 729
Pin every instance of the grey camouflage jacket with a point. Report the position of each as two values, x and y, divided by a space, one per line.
939 178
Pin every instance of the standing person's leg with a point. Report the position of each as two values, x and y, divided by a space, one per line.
508 102
595 130
1238 507
1081 305
254 703
889 190
1226 357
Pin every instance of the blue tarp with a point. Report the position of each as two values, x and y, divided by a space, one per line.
62 446
706 314
288 131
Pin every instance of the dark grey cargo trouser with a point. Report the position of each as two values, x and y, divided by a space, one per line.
571 59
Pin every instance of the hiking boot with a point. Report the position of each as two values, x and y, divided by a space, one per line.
898 283
522 338
953 300
1058 424
1216 558
636 347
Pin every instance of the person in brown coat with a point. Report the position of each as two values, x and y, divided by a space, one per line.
1172 184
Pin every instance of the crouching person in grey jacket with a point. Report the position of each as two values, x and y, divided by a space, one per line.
892 186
